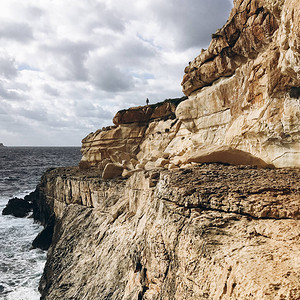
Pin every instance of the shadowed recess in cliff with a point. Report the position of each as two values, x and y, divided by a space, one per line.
226 155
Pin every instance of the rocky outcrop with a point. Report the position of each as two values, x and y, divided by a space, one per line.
243 99
212 231
120 144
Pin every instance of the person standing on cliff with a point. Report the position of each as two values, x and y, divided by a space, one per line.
147 101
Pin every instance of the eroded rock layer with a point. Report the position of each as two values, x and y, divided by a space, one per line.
243 101
208 232
251 74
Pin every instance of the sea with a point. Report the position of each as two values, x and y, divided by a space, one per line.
20 171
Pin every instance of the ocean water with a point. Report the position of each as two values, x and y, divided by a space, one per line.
20 170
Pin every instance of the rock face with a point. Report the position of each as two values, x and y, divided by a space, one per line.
251 77
181 200
243 94
120 144
212 231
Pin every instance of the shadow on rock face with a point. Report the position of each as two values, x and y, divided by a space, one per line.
295 92
44 238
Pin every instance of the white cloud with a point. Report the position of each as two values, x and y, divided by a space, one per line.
8 68
67 66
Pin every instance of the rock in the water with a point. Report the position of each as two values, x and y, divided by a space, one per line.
17 207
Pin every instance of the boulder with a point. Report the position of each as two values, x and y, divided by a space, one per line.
112 171
17 207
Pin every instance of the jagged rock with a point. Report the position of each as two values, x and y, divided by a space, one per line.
112 171
189 231
133 115
17 207
120 144
114 145
161 162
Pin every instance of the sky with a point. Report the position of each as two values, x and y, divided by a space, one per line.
67 66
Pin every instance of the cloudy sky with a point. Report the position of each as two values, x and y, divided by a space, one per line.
67 66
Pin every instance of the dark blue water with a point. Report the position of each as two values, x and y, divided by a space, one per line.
20 172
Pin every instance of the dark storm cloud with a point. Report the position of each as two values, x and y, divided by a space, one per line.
20 32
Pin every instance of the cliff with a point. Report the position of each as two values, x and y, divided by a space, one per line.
196 197
212 231
243 101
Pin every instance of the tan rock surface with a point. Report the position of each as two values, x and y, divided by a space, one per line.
208 232
254 109
243 94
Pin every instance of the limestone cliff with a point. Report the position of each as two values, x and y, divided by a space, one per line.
243 101
209 232
172 202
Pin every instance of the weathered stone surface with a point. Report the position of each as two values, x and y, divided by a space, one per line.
169 227
212 231
112 171
256 109
243 93
248 31
112 146
142 114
